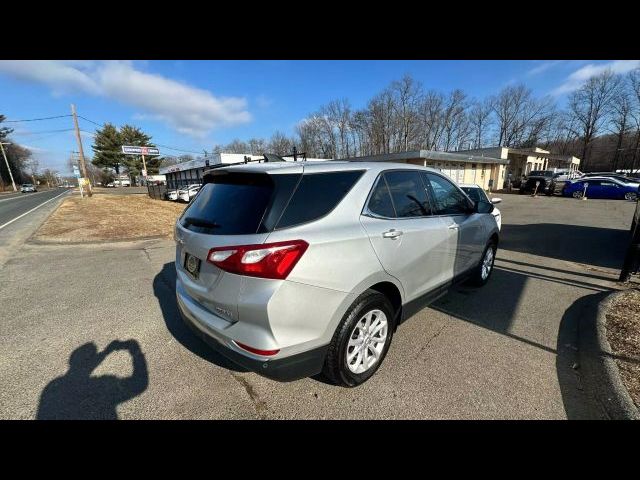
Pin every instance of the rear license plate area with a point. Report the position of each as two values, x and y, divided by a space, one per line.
192 265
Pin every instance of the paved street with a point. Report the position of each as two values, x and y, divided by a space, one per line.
507 350
21 214
14 205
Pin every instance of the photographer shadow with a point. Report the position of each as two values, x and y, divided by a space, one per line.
79 396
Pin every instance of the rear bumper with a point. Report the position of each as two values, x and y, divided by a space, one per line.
294 367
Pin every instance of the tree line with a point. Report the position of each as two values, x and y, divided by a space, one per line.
599 124
25 168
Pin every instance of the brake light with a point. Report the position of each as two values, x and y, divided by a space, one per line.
257 351
267 260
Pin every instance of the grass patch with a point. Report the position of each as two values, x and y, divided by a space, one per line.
109 218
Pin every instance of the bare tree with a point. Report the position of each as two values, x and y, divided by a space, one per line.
633 80
620 119
455 127
236 146
280 144
406 94
480 121
257 146
430 114
589 105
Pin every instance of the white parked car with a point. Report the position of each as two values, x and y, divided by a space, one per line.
187 193
172 195
477 194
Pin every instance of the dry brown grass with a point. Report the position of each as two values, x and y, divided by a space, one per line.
623 334
109 218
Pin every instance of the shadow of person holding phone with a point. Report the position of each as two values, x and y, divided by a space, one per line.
79 396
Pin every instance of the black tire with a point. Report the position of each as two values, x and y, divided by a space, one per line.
335 366
476 277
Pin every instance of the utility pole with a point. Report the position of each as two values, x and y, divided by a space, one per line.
144 169
8 168
83 165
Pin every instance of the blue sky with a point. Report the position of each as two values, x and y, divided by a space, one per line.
193 105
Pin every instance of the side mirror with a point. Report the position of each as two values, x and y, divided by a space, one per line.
496 200
483 207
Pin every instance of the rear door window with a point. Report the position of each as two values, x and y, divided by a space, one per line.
380 200
317 194
449 200
408 193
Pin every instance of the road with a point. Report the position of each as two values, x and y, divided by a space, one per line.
12 206
504 351
21 214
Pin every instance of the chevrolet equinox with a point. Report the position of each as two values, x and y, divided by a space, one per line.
292 269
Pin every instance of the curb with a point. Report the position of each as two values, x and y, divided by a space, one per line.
600 371
39 241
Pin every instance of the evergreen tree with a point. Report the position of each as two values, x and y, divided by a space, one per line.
131 135
4 131
107 148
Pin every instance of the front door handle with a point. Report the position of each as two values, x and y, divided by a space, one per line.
454 227
393 233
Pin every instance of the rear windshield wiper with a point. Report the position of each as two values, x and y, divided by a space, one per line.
199 222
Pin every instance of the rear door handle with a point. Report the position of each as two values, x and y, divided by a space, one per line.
393 233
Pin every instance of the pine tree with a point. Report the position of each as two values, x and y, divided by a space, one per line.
4 131
107 146
131 135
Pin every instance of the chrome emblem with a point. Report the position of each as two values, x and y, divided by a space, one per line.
192 264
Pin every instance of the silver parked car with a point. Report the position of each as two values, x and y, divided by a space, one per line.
292 269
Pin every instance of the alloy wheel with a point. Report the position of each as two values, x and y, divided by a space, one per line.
367 341
487 264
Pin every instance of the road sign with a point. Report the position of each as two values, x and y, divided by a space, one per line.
144 173
133 150
76 171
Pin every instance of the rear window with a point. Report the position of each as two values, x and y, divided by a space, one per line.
246 203
232 204
317 194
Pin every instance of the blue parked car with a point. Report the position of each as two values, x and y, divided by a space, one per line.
601 187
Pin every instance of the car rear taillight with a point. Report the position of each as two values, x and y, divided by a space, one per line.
267 260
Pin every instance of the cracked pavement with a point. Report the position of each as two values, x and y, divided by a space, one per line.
503 351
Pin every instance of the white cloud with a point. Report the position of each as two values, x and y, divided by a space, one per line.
543 67
577 78
62 77
34 149
187 109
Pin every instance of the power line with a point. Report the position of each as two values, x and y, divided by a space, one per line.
157 144
44 131
91 121
35 119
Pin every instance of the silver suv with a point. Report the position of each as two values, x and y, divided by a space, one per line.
292 269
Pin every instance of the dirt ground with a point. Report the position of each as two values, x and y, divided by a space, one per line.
623 334
108 218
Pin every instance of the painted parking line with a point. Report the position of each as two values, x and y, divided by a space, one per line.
33 209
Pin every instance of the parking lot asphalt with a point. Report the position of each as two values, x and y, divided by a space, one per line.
505 351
